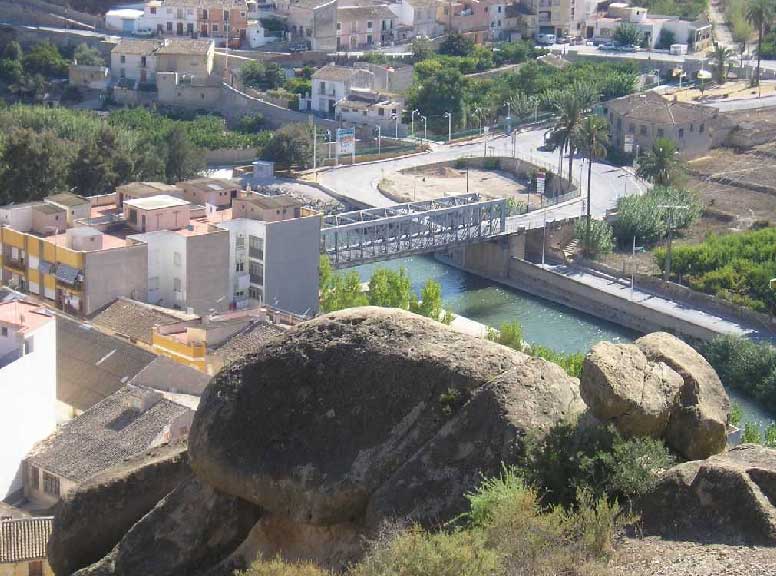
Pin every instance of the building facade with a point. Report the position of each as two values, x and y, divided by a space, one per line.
331 84
23 550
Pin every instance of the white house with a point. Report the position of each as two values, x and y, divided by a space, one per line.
416 18
134 60
331 84
126 20
28 386
153 19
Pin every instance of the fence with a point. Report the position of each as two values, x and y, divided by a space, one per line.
500 126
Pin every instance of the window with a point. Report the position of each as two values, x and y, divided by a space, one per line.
29 345
204 14
50 484
369 25
215 28
381 111
256 272
643 130
189 11
256 247
632 128
169 26
692 128
34 478
659 132
190 28
240 242
123 59
499 9
619 123
240 267
153 283
176 284
700 129
179 13
226 16
681 132
153 9
176 258
4 332
35 568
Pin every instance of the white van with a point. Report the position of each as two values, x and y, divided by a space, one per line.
545 38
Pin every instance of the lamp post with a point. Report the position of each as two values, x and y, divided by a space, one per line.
478 112
425 127
395 118
449 126
509 117
412 120
670 217
379 139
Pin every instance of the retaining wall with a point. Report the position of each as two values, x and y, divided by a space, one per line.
230 155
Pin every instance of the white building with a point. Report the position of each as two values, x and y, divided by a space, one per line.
125 20
134 60
275 263
28 386
416 18
257 34
153 20
331 84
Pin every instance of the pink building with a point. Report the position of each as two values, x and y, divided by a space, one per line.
157 213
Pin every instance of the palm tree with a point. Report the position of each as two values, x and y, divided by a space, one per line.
592 138
661 165
759 13
569 105
721 57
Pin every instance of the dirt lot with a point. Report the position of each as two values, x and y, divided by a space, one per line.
435 181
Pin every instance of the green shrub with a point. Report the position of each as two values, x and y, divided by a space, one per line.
642 216
277 567
751 434
736 413
601 238
571 363
510 334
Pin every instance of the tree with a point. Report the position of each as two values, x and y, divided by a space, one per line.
627 35
591 138
262 75
456 44
760 14
569 105
183 159
88 56
661 165
444 91
343 291
721 57
28 87
13 51
666 39
430 304
251 123
11 71
390 289
422 49
523 106
291 145
100 165
44 58
35 166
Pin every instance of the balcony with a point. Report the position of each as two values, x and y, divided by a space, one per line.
18 264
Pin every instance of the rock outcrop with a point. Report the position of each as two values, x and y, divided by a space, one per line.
728 498
92 519
658 386
190 532
368 414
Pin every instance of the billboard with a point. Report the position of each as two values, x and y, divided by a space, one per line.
346 140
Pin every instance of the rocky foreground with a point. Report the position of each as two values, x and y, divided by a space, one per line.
310 444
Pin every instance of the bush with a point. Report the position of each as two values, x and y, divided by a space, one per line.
510 334
571 363
262 75
666 38
277 567
601 238
751 434
642 217
598 460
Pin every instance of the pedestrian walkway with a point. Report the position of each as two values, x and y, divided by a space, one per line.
621 288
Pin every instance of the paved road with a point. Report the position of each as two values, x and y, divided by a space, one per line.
359 182
721 30
620 288
749 104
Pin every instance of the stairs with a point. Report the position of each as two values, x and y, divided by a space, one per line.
570 249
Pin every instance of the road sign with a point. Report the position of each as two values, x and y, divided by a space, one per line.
540 184
346 140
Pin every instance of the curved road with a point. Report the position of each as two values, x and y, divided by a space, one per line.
359 182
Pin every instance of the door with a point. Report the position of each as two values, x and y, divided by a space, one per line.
128 26
179 29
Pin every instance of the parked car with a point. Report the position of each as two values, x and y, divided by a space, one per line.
545 38
611 46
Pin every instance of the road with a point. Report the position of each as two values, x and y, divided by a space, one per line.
359 182
748 104
721 30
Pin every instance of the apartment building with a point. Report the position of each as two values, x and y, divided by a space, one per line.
275 262
215 19
331 84
27 386
416 18
362 27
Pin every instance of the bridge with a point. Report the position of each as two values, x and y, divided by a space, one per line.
363 236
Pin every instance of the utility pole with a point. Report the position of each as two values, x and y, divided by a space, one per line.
395 118
670 220
379 139
412 120
449 126
425 127
315 155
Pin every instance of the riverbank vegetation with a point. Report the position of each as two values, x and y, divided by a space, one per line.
735 267
646 217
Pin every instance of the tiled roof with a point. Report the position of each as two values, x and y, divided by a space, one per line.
335 73
91 365
273 202
209 184
134 320
136 47
346 13
247 341
24 539
126 423
185 46
652 108
166 374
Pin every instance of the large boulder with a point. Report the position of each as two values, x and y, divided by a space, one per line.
661 387
368 414
699 418
89 521
727 498
189 533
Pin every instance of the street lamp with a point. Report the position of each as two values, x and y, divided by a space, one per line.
670 218
379 138
395 118
425 127
449 126
509 116
412 120
478 112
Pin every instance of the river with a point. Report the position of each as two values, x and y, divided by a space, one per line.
543 322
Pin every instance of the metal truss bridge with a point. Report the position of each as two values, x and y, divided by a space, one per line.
374 234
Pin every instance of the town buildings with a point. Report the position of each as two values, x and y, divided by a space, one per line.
23 542
216 19
28 367
140 60
636 121
310 22
331 84
362 27
415 18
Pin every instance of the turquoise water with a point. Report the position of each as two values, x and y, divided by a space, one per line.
543 322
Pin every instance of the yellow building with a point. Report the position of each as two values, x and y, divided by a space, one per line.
23 544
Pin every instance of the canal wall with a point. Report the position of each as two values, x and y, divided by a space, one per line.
500 261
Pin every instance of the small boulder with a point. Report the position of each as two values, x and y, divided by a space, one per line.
661 387
698 423
621 386
368 414
91 520
728 498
